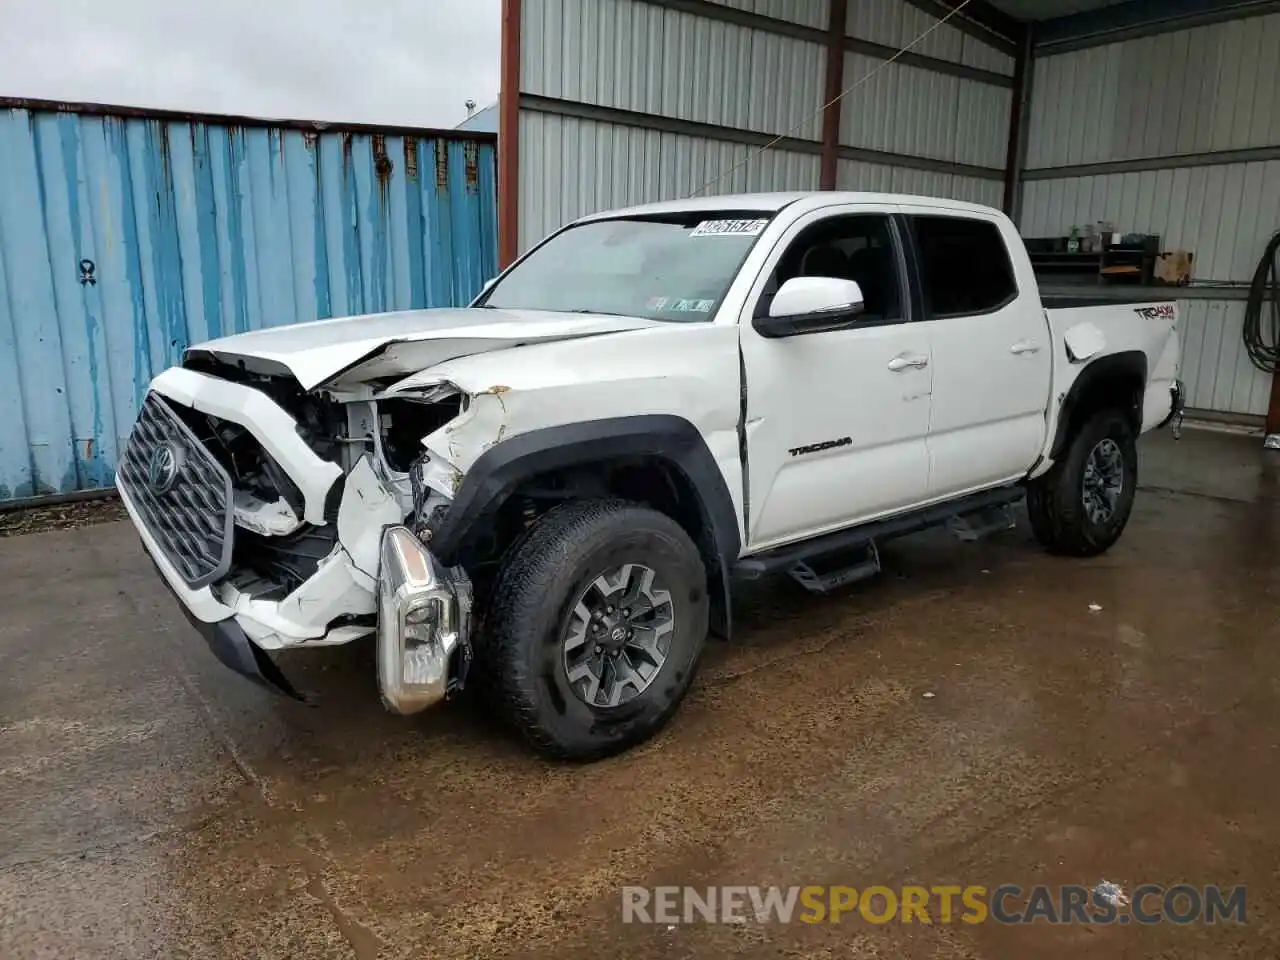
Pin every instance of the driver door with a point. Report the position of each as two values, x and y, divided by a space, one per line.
836 421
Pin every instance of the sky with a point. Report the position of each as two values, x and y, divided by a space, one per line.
395 62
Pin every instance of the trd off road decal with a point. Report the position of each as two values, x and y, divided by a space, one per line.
1161 311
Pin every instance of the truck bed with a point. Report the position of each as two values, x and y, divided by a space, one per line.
1051 301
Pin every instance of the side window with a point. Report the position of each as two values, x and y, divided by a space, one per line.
860 248
964 266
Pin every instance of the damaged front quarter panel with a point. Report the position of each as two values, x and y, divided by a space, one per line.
460 442
455 446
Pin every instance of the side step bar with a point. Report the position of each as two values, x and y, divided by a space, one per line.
840 570
854 554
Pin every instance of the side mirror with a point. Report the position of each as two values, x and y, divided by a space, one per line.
811 305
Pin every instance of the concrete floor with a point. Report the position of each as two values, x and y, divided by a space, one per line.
152 804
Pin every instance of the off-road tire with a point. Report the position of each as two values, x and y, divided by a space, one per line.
1055 501
539 582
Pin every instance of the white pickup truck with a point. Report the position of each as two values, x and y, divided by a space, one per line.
552 490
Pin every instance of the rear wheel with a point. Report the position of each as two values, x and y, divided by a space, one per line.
1081 506
596 625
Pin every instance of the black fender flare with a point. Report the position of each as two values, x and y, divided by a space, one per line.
1125 365
500 470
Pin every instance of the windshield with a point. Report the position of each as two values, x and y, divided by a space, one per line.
671 268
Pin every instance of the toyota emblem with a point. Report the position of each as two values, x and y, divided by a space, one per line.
163 469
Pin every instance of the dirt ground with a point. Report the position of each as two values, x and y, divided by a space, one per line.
979 714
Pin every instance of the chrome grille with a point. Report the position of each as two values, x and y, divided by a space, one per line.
182 493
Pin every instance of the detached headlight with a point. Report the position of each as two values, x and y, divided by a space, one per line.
422 619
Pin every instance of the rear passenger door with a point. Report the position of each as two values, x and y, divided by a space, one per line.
991 353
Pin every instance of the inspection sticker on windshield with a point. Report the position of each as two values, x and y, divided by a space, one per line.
729 228
692 306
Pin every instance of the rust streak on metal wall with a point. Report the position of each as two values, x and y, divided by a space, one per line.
411 158
508 135
382 165
442 166
471 164
126 239
834 86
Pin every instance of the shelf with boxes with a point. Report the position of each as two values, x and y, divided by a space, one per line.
1099 255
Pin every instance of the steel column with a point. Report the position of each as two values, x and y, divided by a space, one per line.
509 136
834 87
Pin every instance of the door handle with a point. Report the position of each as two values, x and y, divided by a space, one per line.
1024 346
904 362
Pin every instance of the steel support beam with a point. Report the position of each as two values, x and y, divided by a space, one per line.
1015 156
831 103
509 136
1213 158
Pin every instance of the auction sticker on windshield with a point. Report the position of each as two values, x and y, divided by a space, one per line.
729 228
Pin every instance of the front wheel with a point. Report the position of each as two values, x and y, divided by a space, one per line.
595 629
1081 506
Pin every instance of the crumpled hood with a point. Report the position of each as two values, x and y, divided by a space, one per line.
395 344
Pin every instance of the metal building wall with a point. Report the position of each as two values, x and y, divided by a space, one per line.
124 237
572 167
959 117
858 175
627 101
1176 134
656 62
896 23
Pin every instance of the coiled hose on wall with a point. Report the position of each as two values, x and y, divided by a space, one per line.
1262 333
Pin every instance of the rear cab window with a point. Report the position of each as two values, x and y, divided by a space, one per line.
965 267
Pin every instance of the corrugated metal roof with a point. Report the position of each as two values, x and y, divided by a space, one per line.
1048 9
124 239
486 121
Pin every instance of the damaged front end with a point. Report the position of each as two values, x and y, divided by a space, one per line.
282 519
424 621
424 608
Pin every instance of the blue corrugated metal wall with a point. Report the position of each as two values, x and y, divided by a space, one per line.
125 237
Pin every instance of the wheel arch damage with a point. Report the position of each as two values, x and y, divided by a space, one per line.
657 458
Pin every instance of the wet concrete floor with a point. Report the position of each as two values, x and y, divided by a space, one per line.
153 805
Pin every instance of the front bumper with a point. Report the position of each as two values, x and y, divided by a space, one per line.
421 659
234 650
